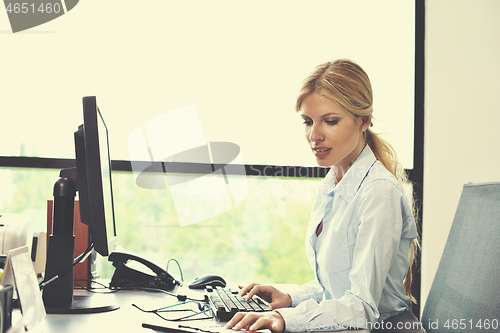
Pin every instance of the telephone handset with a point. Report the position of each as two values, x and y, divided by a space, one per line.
133 271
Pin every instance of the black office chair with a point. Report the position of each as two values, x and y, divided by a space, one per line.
465 293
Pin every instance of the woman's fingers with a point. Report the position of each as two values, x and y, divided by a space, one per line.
235 320
253 321
253 291
268 293
263 291
245 290
260 323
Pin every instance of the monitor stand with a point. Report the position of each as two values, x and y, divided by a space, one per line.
58 296
57 293
86 303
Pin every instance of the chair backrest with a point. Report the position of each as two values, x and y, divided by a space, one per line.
465 293
405 322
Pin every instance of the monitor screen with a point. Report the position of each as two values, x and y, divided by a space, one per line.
94 183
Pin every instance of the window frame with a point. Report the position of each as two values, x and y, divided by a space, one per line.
415 175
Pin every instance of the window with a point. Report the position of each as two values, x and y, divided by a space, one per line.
241 64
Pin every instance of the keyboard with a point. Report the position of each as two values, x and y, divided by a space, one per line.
226 302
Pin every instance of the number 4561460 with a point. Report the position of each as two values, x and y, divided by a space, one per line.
25 8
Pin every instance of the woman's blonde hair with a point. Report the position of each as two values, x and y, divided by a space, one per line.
346 83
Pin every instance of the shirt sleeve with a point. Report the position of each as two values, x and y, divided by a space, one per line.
380 224
309 290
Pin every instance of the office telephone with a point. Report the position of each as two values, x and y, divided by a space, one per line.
133 271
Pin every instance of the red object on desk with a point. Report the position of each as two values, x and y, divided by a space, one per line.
81 231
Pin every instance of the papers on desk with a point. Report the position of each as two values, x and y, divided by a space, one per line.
20 273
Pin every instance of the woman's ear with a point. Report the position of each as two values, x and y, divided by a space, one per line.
366 121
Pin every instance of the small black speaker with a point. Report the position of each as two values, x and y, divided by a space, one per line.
6 293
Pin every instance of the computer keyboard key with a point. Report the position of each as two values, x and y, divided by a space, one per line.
263 305
255 306
226 303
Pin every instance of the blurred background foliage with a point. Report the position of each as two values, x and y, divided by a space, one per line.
261 239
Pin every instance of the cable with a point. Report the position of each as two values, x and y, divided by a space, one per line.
163 291
202 310
84 255
133 287
178 265
66 270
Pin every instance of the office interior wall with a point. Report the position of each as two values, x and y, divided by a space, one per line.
462 114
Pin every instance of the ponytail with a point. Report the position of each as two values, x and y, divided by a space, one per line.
385 153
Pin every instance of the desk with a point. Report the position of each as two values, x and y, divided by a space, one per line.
126 319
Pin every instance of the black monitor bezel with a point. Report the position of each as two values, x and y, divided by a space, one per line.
94 180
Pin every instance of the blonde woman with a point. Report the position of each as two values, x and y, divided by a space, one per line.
361 229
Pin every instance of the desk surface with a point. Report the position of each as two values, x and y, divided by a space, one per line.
127 318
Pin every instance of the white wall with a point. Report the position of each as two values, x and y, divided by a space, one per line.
462 113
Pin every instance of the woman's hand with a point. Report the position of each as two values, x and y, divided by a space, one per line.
253 321
271 295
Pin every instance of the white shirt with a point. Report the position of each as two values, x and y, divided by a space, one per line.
362 257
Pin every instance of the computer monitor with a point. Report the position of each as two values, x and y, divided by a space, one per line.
93 178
